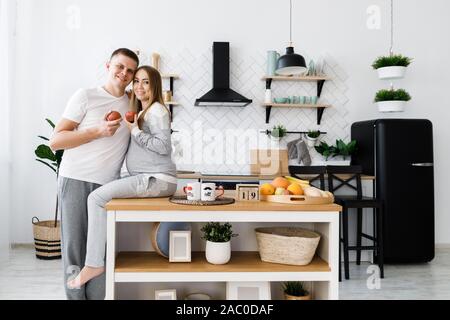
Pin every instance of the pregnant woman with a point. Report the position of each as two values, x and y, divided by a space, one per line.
149 163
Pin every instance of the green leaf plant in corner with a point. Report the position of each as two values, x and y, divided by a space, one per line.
340 149
50 159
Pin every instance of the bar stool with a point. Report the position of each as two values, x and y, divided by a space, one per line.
313 173
359 202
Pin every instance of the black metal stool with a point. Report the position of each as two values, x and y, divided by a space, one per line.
311 173
359 202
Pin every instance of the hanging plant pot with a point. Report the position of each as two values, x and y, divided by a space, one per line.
395 72
311 142
391 106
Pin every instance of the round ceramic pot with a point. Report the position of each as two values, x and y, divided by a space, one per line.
311 142
391 106
391 72
289 297
218 252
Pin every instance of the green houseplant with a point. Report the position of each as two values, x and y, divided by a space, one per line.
295 290
392 66
339 149
218 242
47 233
391 100
278 132
311 137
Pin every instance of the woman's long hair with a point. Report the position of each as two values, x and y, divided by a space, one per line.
155 93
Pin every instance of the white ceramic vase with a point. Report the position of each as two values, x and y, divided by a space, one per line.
391 106
310 142
391 72
218 252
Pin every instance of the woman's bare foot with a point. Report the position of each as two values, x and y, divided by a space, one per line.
86 274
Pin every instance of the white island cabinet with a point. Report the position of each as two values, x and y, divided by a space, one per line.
135 267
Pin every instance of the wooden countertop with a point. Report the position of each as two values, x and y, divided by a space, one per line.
198 175
163 204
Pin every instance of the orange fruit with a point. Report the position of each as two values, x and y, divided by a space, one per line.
267 189
280 182
295 189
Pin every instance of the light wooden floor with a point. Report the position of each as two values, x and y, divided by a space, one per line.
25 277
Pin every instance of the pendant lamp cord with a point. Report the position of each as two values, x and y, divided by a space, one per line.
391 50
290 23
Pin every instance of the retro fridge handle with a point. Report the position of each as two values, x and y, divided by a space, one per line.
423 164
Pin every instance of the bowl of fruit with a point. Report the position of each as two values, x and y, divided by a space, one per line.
292 190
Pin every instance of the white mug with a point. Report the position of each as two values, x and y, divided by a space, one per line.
208 192
192 190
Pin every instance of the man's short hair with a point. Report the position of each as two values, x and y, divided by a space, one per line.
127 53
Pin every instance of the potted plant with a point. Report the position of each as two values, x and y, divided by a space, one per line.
341 151
390 100
392 66
46 232
218 242
294 290
311 137
278 132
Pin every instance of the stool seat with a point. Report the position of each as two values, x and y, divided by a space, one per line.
357 202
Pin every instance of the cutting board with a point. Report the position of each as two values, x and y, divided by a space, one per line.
291 199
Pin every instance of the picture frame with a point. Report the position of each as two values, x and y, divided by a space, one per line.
170 294
248 290
180 246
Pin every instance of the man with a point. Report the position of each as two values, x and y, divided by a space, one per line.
94 152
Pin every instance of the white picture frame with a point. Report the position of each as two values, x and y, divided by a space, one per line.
248 290
180 246
170 294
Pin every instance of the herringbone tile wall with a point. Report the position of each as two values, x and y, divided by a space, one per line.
204 138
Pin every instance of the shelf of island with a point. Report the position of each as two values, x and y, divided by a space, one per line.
322 272
320 82
171 104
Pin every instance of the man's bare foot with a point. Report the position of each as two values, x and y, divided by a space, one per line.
86 274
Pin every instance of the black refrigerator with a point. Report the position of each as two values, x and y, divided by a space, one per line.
399 153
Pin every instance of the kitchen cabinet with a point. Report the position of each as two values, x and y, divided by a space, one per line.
137 267
320 82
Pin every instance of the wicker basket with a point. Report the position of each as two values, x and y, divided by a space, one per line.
287 245
47 239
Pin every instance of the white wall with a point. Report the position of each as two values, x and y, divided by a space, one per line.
54 59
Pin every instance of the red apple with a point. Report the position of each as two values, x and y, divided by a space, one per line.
113 115
130 116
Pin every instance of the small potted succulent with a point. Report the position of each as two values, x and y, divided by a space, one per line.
278 132
311 137
392 66
218 242
294 290
391 100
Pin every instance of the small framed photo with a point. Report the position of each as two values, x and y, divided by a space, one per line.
248 290
247 192
180 246
166 294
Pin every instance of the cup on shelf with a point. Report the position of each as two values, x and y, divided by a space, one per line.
307 100
314 99
302 99
208 191
193 191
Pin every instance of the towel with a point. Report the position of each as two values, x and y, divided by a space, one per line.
303 153
292 149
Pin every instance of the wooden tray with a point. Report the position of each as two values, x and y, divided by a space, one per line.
291 199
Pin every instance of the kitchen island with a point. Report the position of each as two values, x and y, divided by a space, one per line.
322 272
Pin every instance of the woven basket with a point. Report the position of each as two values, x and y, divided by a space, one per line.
287 245
47 239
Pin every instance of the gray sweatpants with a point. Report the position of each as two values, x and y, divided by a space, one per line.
138 186
73 195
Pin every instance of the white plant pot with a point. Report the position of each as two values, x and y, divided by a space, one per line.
336 161
218 252
391 106
310 142
391 72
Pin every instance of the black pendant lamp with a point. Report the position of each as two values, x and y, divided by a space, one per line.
291 63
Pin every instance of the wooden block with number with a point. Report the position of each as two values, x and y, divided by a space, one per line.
247 192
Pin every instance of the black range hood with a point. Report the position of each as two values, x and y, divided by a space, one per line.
221 95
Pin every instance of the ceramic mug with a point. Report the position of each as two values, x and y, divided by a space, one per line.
314 99
193 191
208 191
302 99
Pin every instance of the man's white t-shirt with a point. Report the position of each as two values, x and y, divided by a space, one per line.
100 160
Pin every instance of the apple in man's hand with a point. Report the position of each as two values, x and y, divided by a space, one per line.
130 116
113 115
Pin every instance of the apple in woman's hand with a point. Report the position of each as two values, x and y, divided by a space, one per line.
113 115
130 116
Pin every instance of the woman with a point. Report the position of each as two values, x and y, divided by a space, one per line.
148 160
